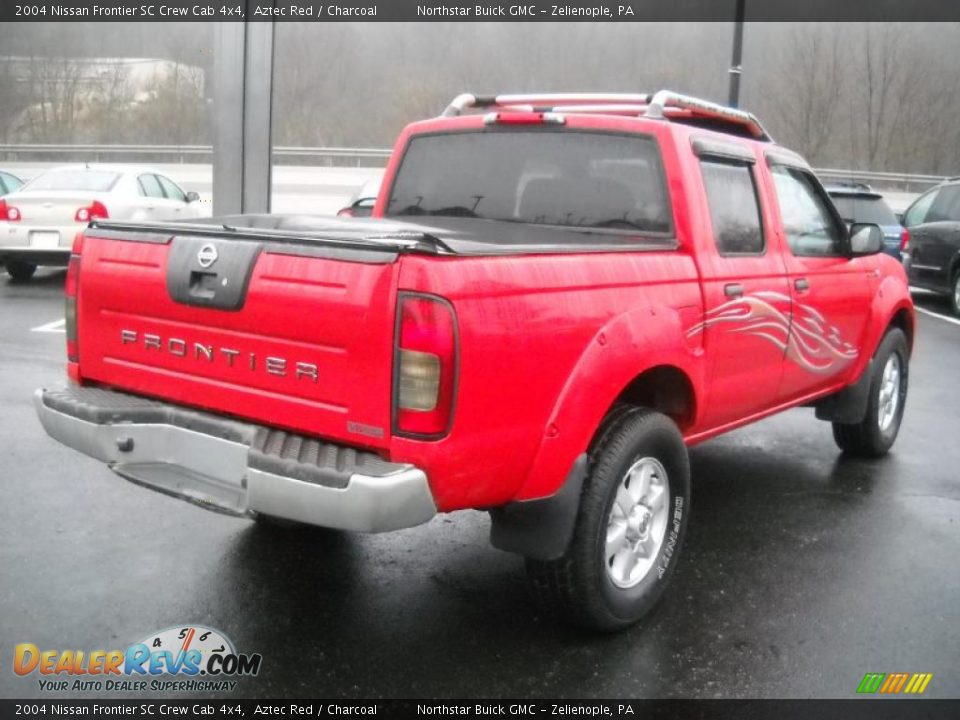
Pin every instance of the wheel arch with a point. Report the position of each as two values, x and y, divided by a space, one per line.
642 358
905 320
665 388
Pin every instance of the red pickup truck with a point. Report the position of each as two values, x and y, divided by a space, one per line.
557 296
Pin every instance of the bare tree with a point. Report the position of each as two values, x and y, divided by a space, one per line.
803 96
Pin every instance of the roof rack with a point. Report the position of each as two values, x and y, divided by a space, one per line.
662 105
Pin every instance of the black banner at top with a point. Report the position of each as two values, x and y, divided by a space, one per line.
484 10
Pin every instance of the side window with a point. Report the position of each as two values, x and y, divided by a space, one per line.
810 227
170 189
917 213
946 207
734 207
149 186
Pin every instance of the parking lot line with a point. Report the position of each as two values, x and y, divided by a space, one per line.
955 321
57 326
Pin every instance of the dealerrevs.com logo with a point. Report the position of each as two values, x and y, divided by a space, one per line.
184 658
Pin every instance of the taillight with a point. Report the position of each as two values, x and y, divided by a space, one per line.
94 211
9 212
70 290
425 366
904 240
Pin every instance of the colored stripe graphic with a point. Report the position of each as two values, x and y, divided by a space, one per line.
894 683
870 683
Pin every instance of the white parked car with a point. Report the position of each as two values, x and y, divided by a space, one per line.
39 221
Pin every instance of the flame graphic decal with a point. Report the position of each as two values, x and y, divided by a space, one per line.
803 334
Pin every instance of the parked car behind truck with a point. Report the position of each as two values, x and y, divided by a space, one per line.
39 220
859 203
560 295
933 256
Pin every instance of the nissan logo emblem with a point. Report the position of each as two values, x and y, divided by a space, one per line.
207 255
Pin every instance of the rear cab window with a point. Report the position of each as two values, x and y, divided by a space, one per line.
863 209
584 180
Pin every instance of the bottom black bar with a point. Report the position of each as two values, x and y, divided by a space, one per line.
854 709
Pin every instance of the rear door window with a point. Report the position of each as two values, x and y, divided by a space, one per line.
946 206
599 181
917 213
734 207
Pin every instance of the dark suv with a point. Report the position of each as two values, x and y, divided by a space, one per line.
859 203
933 258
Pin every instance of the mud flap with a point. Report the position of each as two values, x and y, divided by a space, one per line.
540 529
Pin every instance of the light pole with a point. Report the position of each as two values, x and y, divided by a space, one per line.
735 68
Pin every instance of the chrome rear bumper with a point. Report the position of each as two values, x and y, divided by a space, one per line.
235 467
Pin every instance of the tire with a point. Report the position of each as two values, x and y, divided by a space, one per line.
20 271
955 293
873 436
583 585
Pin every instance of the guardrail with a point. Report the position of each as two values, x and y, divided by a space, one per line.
887 180
187 153
359 157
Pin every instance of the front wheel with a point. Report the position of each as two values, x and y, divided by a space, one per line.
20 271
873 436
629 529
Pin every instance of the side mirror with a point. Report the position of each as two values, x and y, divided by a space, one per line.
193 196
865 239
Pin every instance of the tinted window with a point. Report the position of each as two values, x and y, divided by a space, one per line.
946 206
807 221
734 209
89 180
150 186
170 189
917 213
864 209
584 180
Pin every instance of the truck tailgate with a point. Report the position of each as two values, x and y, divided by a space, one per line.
292 336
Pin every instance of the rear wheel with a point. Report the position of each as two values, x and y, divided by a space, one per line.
20 271
874 435
629 530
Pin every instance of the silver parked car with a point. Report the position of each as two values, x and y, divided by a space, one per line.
39 220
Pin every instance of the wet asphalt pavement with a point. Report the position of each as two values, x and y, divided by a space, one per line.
801 571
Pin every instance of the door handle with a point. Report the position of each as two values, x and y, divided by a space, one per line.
801 284
733 290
